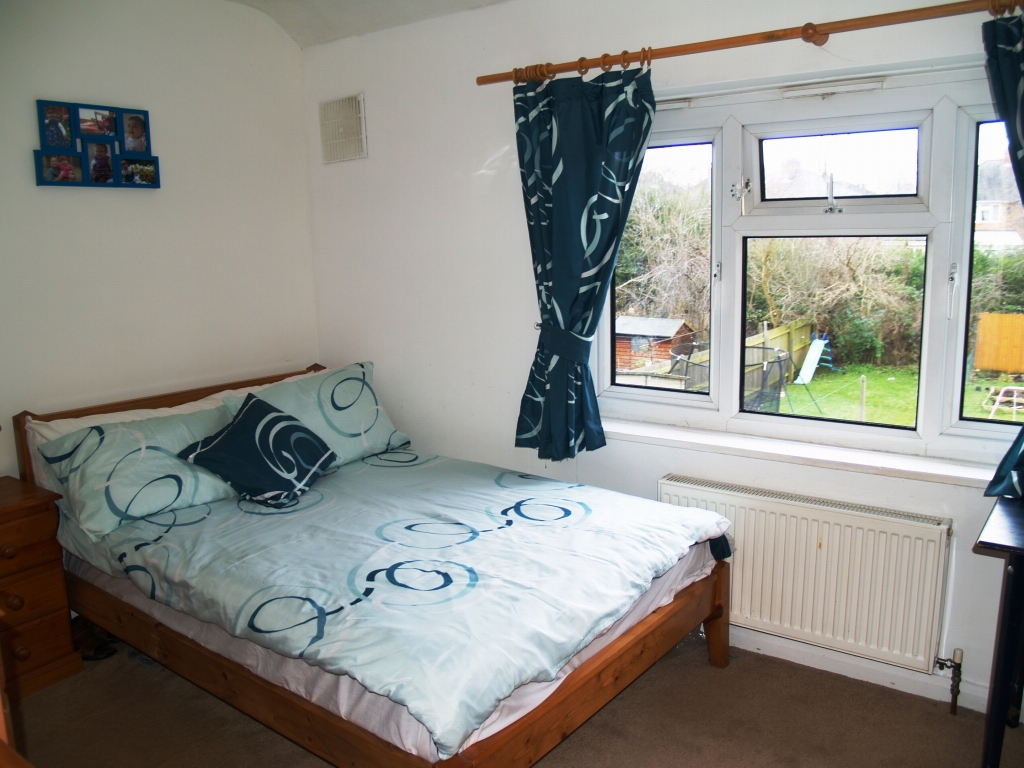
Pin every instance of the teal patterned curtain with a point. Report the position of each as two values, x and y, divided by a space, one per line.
1003 46
580 150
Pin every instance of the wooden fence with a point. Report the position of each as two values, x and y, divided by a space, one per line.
1000 343
795 338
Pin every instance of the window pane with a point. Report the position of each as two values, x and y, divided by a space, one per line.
867 164
662 287
994 386
833 327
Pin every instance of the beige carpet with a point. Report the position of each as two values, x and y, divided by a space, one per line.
126 711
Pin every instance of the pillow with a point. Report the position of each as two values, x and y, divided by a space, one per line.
39 432
1007 479
115 473
267 456
341 407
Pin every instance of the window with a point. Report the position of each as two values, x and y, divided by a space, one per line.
864 164
749 299
833 327
994 364
662 285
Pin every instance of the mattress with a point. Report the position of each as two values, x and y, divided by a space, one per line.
344 696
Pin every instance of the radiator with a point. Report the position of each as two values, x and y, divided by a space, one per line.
862 580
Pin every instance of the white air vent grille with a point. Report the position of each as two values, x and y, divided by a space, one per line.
343 129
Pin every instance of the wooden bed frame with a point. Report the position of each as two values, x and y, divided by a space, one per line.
522 743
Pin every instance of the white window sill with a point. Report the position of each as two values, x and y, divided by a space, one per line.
924 468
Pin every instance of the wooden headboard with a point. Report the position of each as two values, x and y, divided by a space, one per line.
168 400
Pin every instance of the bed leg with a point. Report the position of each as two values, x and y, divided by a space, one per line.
716 626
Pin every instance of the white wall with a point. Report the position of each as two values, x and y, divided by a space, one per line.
113 293
422 255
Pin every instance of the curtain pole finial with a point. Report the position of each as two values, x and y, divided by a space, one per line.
1000 7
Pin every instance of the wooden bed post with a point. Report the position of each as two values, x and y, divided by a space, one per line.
716 626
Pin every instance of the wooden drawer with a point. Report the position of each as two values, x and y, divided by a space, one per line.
29 594
36 643
28 542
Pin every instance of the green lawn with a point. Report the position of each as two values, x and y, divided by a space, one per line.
891 395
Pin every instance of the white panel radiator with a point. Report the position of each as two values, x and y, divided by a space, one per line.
857 579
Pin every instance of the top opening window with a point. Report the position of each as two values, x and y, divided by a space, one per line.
863 164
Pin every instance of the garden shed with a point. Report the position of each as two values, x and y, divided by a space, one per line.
642 341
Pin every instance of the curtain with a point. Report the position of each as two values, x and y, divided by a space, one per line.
581 146
1003 47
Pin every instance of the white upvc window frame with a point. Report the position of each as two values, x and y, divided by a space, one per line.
605 339
946 107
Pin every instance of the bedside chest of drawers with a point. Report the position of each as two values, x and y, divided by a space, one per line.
35 628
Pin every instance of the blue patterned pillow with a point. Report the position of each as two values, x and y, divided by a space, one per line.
1007 479
266 455
116 473
341 407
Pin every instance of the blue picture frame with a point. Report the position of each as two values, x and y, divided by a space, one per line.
56 134
72 132
42 164
125 124
141 169
92 122
108 174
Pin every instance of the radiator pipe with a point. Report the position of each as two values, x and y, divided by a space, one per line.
956 663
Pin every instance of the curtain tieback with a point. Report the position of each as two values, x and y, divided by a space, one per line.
566 344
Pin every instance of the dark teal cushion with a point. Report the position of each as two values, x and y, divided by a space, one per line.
1006 481
266 455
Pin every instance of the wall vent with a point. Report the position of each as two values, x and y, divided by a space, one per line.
343 129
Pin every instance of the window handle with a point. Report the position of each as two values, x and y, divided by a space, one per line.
831 198
739 192
951 284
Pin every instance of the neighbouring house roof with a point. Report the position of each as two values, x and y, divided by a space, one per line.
654 327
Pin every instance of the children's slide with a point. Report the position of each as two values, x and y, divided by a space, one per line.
810 362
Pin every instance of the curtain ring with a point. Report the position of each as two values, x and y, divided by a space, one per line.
606 66
579 66
643 58
624 60
999 7
548 71
518 76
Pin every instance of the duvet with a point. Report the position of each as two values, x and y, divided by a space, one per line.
441 584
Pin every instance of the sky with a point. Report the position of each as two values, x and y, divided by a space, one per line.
992 141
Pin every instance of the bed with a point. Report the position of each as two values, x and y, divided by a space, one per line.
354 710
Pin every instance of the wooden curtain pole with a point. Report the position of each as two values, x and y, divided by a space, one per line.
811 33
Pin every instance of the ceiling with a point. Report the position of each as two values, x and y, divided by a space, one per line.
312 22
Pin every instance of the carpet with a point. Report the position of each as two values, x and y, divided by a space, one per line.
760 711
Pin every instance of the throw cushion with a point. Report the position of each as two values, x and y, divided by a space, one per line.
266 455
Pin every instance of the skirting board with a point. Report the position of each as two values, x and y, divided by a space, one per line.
972 695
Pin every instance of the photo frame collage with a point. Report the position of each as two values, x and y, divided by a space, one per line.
93 146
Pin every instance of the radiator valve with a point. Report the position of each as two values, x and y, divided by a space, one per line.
955 664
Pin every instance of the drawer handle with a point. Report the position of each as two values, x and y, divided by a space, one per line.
15 602
8 552
22 653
